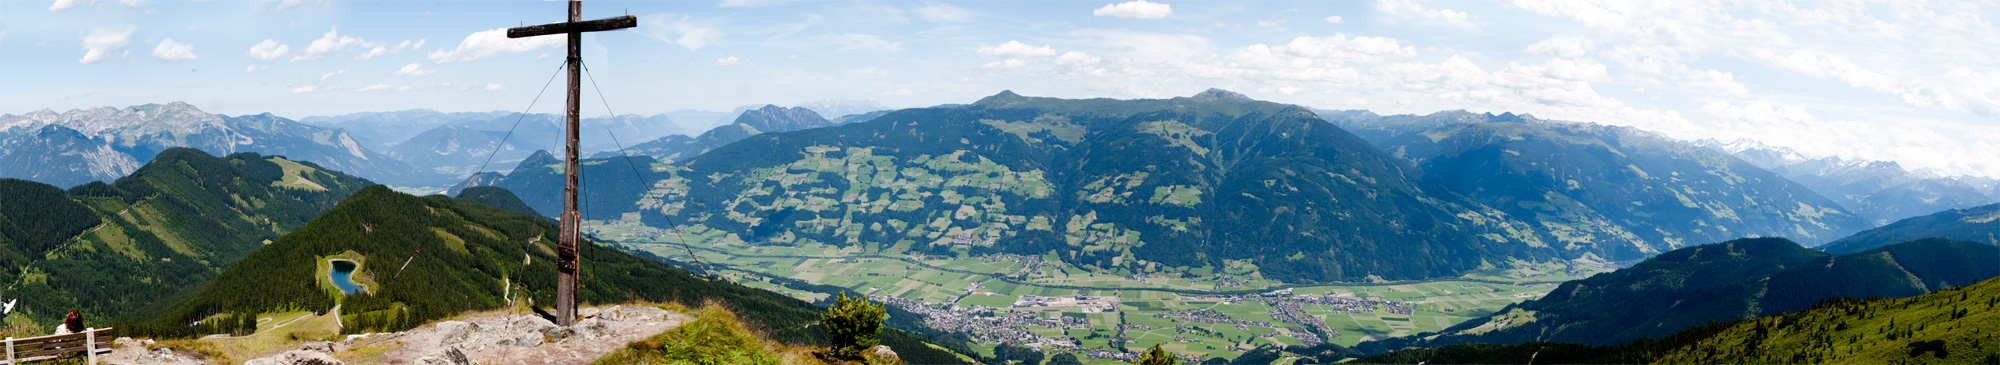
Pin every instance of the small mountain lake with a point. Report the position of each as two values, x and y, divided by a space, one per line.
343 272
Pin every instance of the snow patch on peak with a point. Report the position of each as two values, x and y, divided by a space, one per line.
1756 152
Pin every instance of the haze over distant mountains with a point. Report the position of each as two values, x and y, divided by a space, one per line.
409 148
1881 191
103 144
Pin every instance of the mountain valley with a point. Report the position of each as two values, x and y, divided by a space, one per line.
1246 228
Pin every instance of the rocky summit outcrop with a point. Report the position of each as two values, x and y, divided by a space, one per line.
126 350
296 357
521 338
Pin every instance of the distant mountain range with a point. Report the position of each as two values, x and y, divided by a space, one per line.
1977 224
410 148
1881 191
1617 190
841 108
102 144
768 119
1720 282
382 131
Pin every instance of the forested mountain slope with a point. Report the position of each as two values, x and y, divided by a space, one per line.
1121 185
1946 326
110 250
1624 193
1977 224
1719 282
461 255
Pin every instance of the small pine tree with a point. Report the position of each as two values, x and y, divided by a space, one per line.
853 324
1157 356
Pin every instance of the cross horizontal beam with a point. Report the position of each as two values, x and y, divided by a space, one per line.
599 25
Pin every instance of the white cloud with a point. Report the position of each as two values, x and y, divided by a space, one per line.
330 75
495 87
1145 46
1781 124
268 50
378 51
492 43
61 5
331 42
750 3
3 34
1140 9
1341 67
1017 49
288 4
1562 46
414 69
100 42
381 50
1074 58
375 87
1333 19
898 92
944 13
683 30
858 41
728 61
255 68
1007 63
1718 81
1340 48
404 88
305 89
170 51
1412 10
1270 22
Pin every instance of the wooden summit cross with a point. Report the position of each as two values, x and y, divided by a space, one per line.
566 264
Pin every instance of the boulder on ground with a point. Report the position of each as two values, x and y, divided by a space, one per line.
883 352
450 356
297 357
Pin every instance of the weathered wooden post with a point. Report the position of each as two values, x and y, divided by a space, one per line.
89 345
10 351
566 255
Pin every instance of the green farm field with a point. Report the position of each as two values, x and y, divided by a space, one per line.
1145 301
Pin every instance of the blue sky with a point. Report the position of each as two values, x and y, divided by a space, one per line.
1909 81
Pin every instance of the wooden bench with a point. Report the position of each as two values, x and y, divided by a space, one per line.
90 342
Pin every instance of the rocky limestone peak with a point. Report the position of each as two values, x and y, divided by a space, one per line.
1213 94
773 118
175 118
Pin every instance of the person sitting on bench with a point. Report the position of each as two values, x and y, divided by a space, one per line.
73 323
